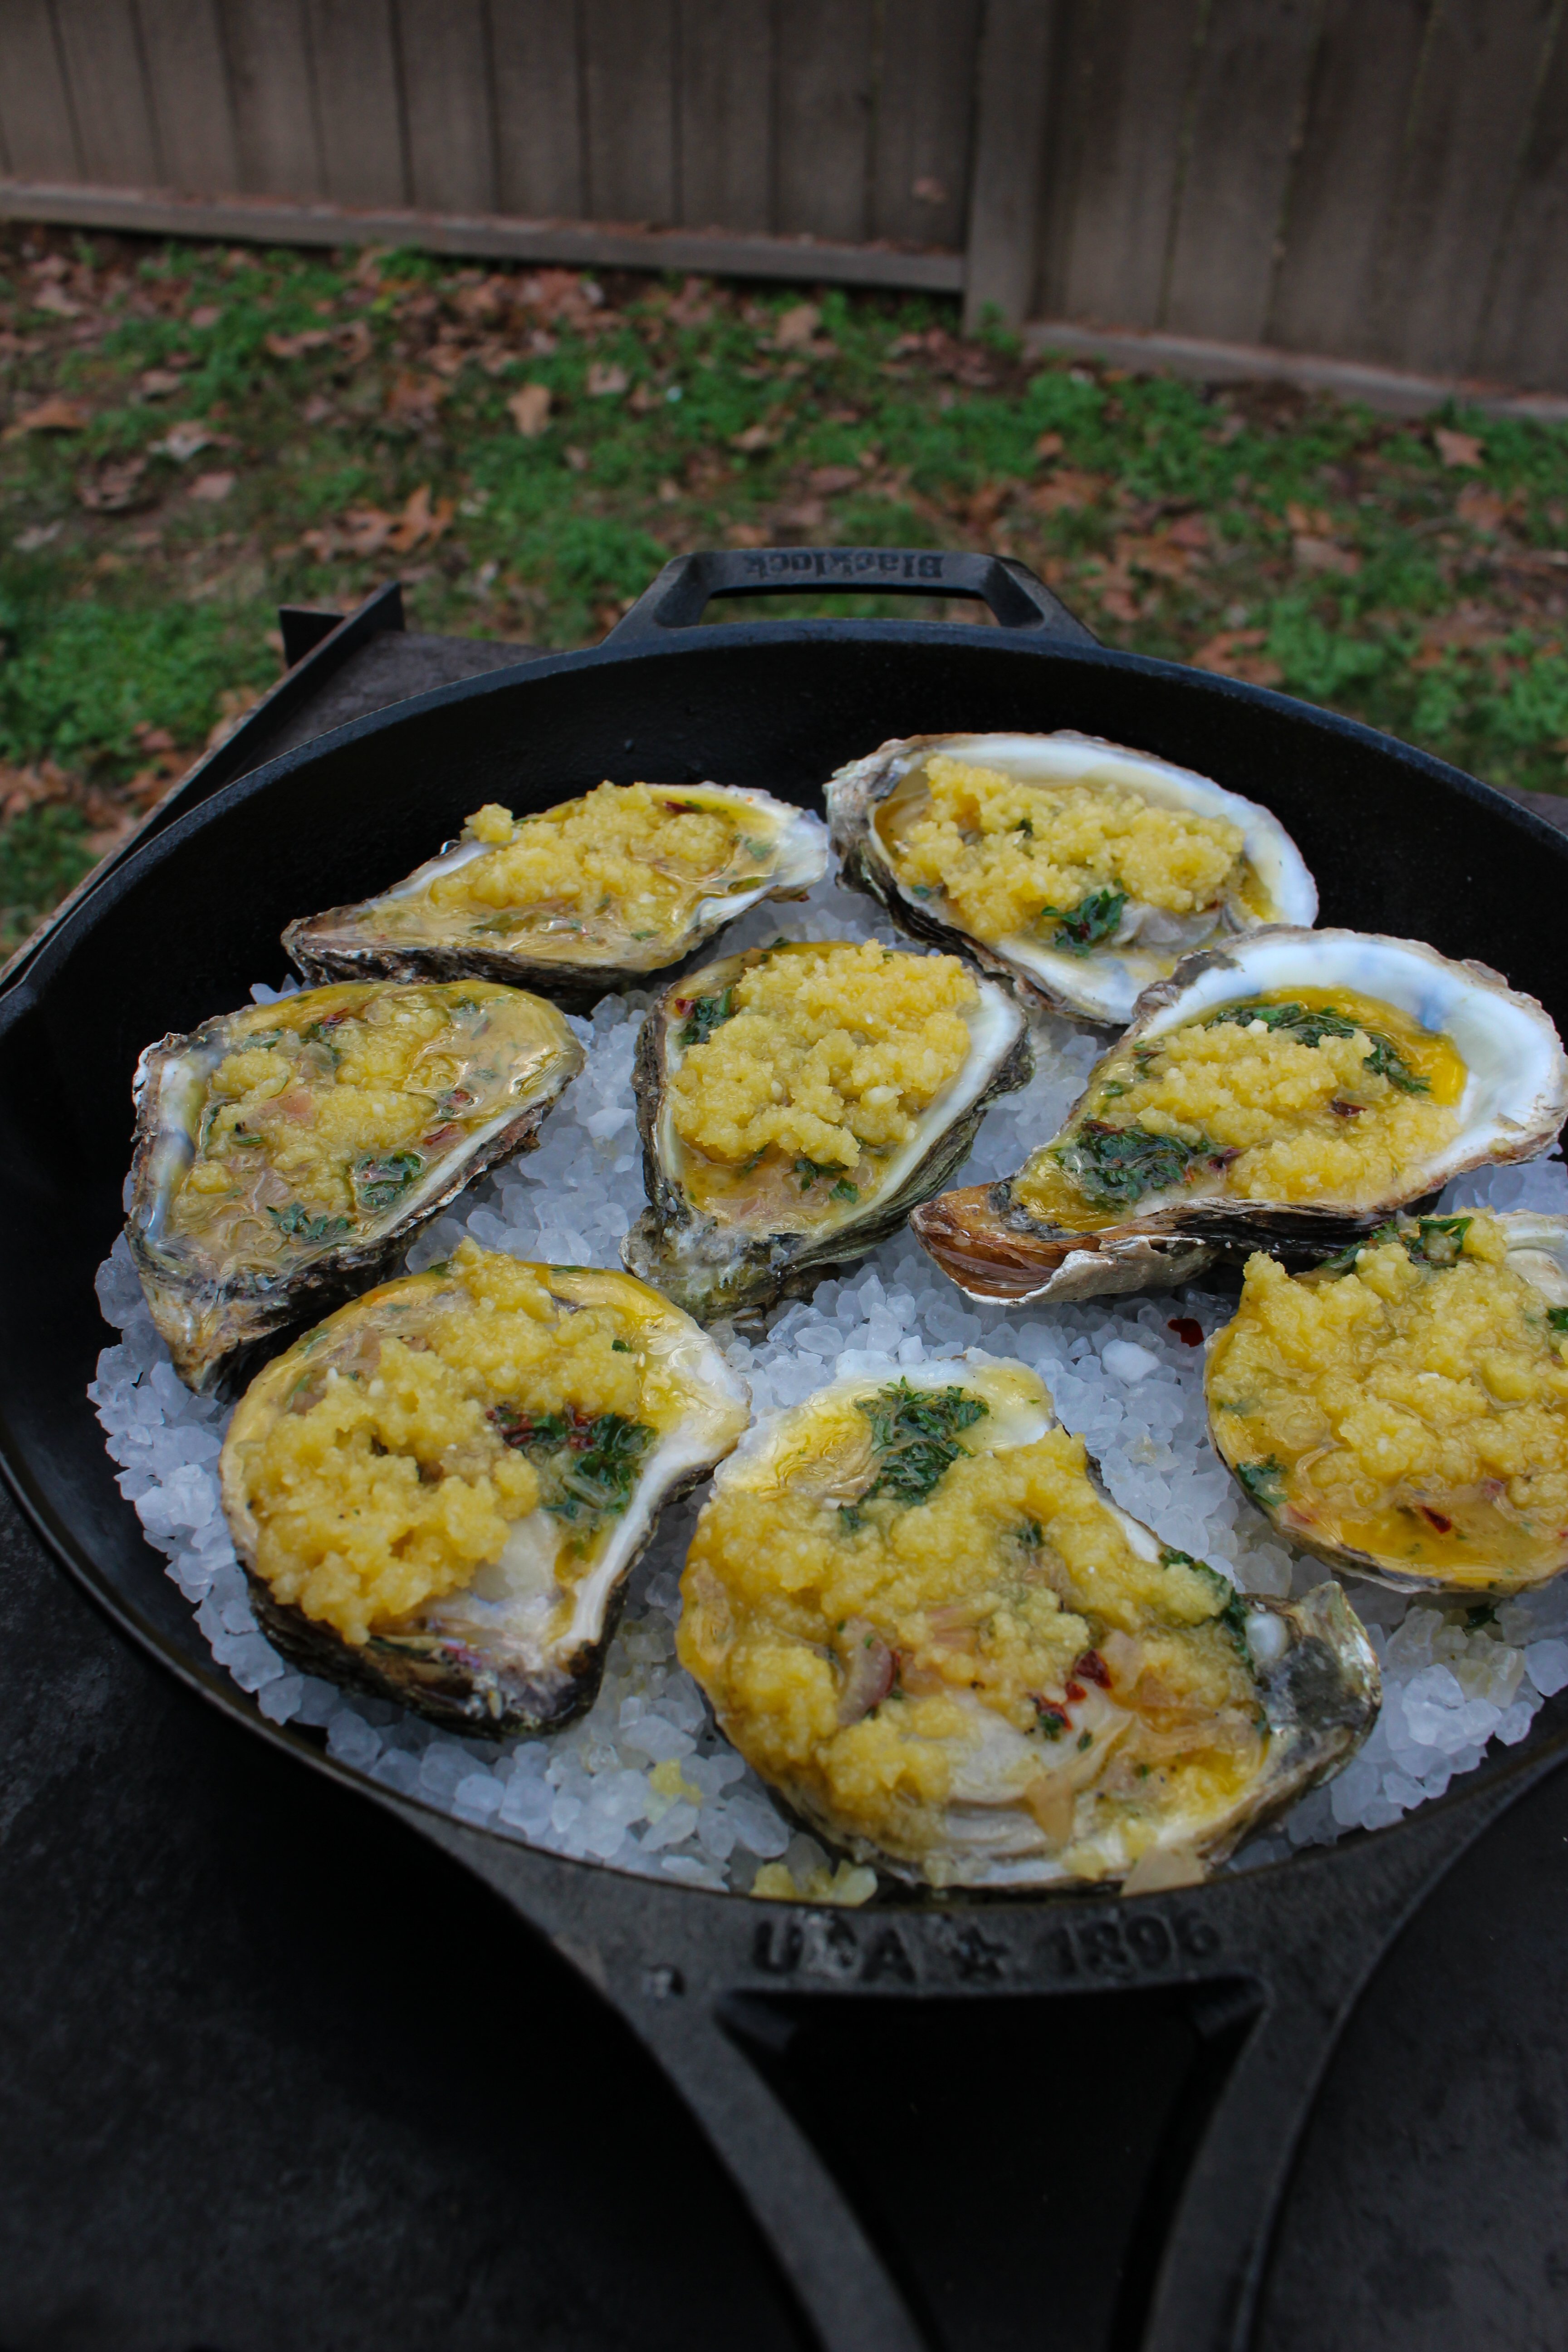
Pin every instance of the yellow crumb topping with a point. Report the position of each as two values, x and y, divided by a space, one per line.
1262 1108
818 1070
331 1108
404 1437
624 867
862 1648
1414 1408
1003 852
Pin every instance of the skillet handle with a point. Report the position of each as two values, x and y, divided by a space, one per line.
679 597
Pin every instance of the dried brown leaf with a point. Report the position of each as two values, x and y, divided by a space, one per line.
1459 448
530 409
52 416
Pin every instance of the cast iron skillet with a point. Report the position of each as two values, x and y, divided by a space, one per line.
1268 1964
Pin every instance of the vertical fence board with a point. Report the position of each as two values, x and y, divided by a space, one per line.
1117 133
826 56
274 97
353 46
1470 113
1347 176
108 94
40 143
447 85
628 49
1525 335
924 113
1012 107
183 49
539 110
726 114
1250 94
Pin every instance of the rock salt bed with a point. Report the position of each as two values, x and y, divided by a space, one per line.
643 1781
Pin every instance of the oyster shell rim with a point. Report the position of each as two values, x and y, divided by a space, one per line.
856 786
440 1695
769 1268
576 987
986 1224
258 1307
1323 1622
1345 1559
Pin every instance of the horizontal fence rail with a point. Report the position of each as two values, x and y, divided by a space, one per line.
1377 180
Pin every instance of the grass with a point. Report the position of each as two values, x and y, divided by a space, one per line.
224 431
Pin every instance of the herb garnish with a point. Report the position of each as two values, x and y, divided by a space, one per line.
1558 1318
380 1181
300 1225
587 1464
704 1016
1079 928
1265 1482
808 1170
913 1434
1430 1241
1309 1028
1117 1165
1233 1614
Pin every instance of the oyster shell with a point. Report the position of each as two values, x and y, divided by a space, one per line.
286 1153
1410 1426
948 1665
733 1234
561 921
1107 1205
489 1612
1095 958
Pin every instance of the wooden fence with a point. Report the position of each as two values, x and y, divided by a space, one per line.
1384 181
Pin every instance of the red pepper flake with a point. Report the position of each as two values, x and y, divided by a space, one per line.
1189 1331
1346 1110
1075 1691
1435 1518
440 1135
1091 1668
1054 1719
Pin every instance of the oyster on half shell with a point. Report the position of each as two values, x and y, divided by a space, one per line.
593 895
286 1153
1077 870
919 1617
1288 1091
1401 1410
439 1494
794 1101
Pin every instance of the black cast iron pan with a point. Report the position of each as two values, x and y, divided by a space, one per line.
1263 1967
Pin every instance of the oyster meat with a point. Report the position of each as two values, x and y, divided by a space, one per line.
1290 1090
794 1100
439 1494
1077 870
285 1153
917 1616
594 894
1401 1410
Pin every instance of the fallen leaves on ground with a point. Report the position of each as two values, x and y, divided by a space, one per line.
55 415
606 380
530 409
114 488
1234 654
294 347
213 488
1457 449
414 399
